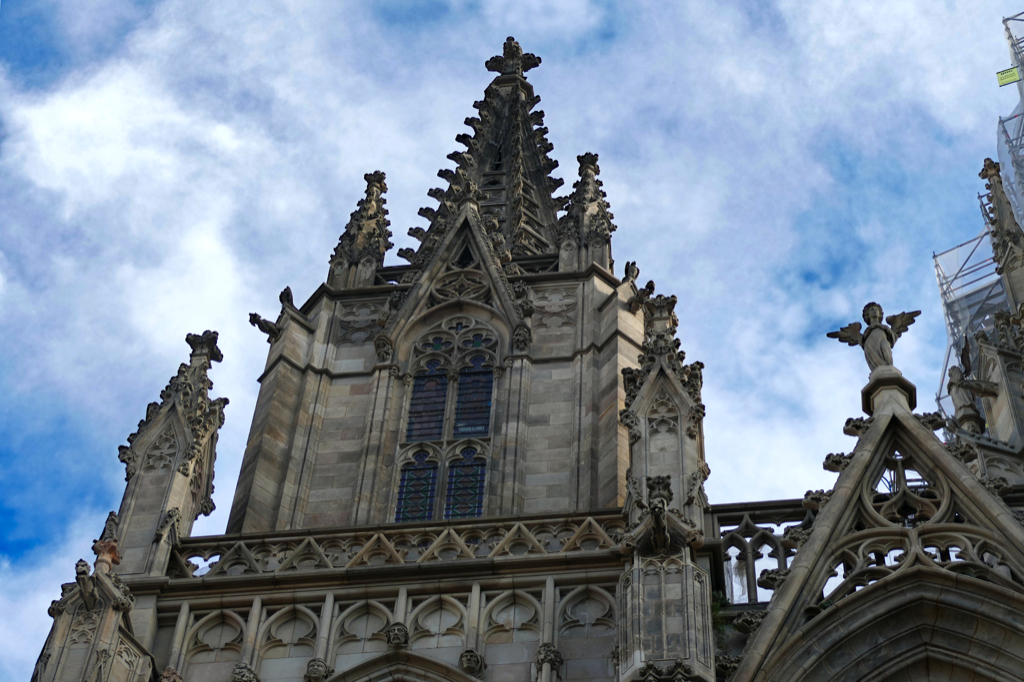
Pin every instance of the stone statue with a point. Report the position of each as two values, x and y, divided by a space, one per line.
471 662
964 392
317 670
878 339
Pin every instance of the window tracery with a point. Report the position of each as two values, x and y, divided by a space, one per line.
465 490
452 369
417 489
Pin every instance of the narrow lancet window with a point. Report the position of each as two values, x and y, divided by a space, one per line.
473 402
426 406
417 490
465 491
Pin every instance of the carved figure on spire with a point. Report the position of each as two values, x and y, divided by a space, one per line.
512 60
878 339
963 392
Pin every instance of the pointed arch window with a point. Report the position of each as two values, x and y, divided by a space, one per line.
427 405
465 489
473 401
417 490
442 470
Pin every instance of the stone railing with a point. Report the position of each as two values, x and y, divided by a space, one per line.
312 550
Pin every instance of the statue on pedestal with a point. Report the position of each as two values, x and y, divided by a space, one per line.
878 339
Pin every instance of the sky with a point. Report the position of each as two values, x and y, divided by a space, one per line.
168 167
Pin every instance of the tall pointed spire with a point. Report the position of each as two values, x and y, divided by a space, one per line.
505 166
366 239
587 224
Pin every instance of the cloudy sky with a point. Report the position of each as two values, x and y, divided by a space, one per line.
168 167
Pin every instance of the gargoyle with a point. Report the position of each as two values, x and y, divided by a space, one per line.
266 326
878 339
86 586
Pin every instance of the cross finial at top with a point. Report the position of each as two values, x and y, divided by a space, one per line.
513 60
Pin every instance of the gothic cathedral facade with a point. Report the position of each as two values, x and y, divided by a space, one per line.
489 464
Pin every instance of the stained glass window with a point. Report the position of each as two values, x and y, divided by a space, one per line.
417 490
426 406
465 492
473 402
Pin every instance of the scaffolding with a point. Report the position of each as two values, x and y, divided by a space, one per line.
1010 134
971 294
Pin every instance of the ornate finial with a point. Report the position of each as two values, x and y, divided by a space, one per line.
367 233
205 344
878 339
588 160
513 60
989 170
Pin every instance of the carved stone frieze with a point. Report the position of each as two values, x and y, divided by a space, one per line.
677 671
360 322
555 307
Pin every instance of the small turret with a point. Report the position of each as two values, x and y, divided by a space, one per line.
366 239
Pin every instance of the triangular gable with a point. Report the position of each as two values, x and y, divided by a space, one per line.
238 555
308 550
589 532
377 545
484 283
519 535
448 540
902 501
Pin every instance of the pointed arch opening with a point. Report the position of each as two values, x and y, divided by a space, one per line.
927 620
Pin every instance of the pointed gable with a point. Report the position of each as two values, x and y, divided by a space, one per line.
903 503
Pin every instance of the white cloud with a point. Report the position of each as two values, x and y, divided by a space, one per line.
30 586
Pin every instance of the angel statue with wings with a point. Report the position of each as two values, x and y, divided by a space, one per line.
878 339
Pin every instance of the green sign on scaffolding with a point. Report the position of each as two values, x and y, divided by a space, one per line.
1008 76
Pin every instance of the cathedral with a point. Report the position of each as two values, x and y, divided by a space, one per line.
488 465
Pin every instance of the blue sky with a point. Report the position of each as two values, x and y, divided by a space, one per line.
168 167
